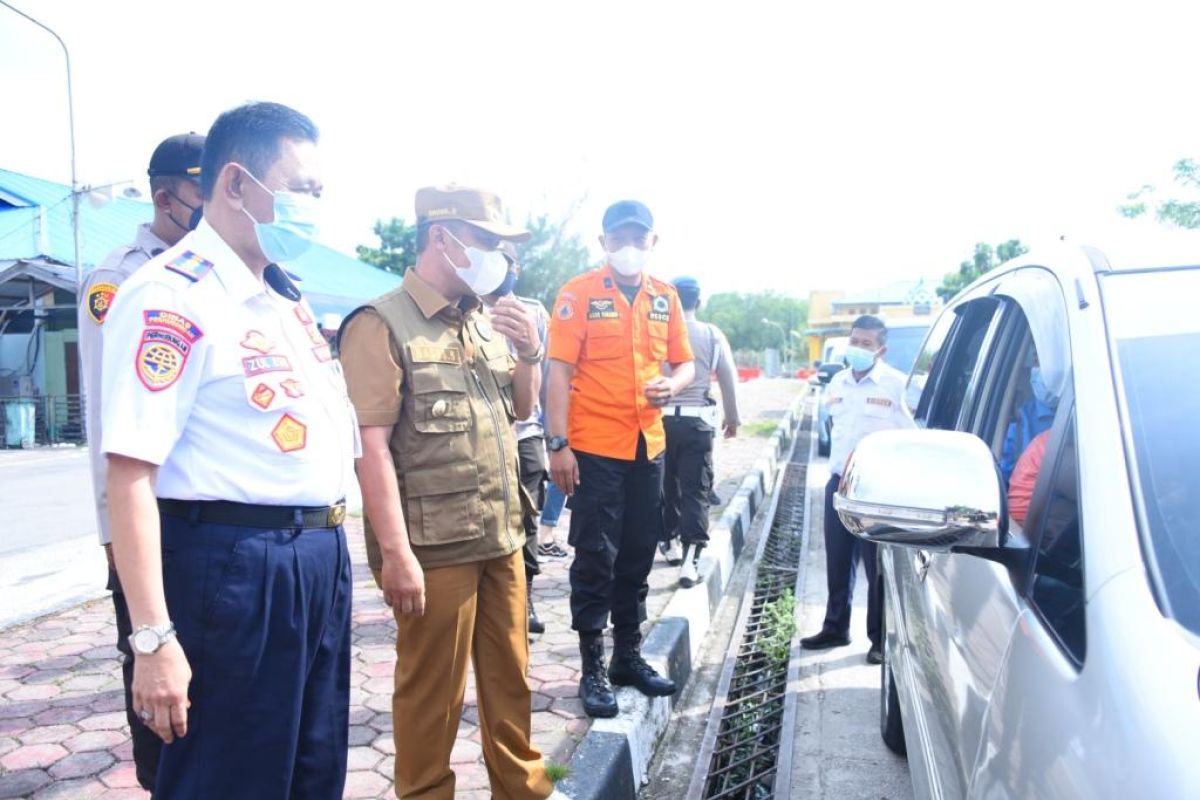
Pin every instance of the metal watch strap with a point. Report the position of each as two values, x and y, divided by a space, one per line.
165 633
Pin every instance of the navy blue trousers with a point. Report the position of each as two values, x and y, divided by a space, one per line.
264 619
843 551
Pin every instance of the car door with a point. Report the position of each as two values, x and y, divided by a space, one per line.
941 669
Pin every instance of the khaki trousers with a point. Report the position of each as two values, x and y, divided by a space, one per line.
473 612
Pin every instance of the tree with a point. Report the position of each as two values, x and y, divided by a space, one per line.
397 249
740 317
1171 211
549 259
985 258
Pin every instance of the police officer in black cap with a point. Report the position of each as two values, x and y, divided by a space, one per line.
175 189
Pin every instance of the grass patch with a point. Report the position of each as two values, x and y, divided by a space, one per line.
763 429
556 771
779 622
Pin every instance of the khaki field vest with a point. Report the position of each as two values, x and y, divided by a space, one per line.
454 447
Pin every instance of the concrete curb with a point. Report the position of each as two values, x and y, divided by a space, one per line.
612 761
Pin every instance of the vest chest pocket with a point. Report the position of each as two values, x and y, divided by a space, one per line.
604 346
442 504
439 397
499 363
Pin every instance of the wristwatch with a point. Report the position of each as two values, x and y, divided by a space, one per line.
556 443
148 639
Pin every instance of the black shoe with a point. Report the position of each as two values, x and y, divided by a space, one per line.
594 689
714 499
875 655
824 641
628 668
535 624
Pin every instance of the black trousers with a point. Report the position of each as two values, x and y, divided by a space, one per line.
687 479
532 455
616 523
843 551
146 745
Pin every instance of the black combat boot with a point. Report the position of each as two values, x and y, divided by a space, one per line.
535 624
628 668
594 689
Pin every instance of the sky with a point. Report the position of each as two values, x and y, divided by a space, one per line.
782 146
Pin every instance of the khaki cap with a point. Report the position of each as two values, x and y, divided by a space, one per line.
474 206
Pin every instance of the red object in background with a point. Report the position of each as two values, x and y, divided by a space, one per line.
748 373
805 373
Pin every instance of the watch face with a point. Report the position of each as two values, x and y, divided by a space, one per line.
145 641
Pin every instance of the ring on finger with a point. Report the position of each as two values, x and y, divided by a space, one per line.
145 715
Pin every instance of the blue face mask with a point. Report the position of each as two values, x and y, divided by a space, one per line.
858 359
1038 385
294 228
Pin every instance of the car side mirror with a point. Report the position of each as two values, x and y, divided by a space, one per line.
816 364
936 490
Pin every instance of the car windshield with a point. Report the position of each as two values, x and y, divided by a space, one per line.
1156 336
903 344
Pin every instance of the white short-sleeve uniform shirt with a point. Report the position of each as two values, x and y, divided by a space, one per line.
875 403
226 385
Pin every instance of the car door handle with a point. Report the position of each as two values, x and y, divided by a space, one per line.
923 561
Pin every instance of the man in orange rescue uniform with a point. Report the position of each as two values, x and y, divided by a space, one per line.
610 331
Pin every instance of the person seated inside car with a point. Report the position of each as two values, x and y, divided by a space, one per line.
1033 416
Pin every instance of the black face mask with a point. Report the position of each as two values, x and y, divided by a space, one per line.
506 286
197 212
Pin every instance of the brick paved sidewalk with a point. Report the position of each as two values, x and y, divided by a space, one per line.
62 721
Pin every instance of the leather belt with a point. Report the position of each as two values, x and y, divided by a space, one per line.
246 515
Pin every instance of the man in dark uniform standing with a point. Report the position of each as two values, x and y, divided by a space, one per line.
611 330
175 189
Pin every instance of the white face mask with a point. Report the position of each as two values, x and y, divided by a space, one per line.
629 260
485 271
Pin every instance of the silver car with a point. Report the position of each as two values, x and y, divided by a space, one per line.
1042 573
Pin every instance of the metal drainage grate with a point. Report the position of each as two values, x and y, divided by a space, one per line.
745 752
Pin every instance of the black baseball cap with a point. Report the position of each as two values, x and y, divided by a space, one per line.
177 156
624 212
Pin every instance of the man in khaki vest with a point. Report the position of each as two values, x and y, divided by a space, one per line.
437 392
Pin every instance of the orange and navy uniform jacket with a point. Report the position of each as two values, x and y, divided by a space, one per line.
616 348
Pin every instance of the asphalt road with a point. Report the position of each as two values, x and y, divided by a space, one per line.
49 551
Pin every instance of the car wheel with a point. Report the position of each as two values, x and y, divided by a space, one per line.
891 726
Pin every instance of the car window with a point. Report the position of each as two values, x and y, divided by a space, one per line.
903 344
942 402
1057 590
1156 340
926 361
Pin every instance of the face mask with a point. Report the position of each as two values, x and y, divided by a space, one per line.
1040 391
507 285
295 226
859 360
629 260
194 213
485 271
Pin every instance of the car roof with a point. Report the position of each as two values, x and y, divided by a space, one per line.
1071 261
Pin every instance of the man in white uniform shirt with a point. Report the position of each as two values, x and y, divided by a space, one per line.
866 397
229 438
175 186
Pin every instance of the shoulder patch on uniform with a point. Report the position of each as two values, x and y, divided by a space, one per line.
565 310
99 300
163 351
190 265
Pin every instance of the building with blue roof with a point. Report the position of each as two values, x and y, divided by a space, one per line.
38 351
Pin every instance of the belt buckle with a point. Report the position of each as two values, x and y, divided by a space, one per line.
337 515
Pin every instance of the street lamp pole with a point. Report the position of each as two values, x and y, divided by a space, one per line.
71 125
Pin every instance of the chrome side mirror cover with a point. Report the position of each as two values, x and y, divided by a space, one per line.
937 490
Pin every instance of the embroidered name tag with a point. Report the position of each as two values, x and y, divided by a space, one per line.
879 401
257 365
602 308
